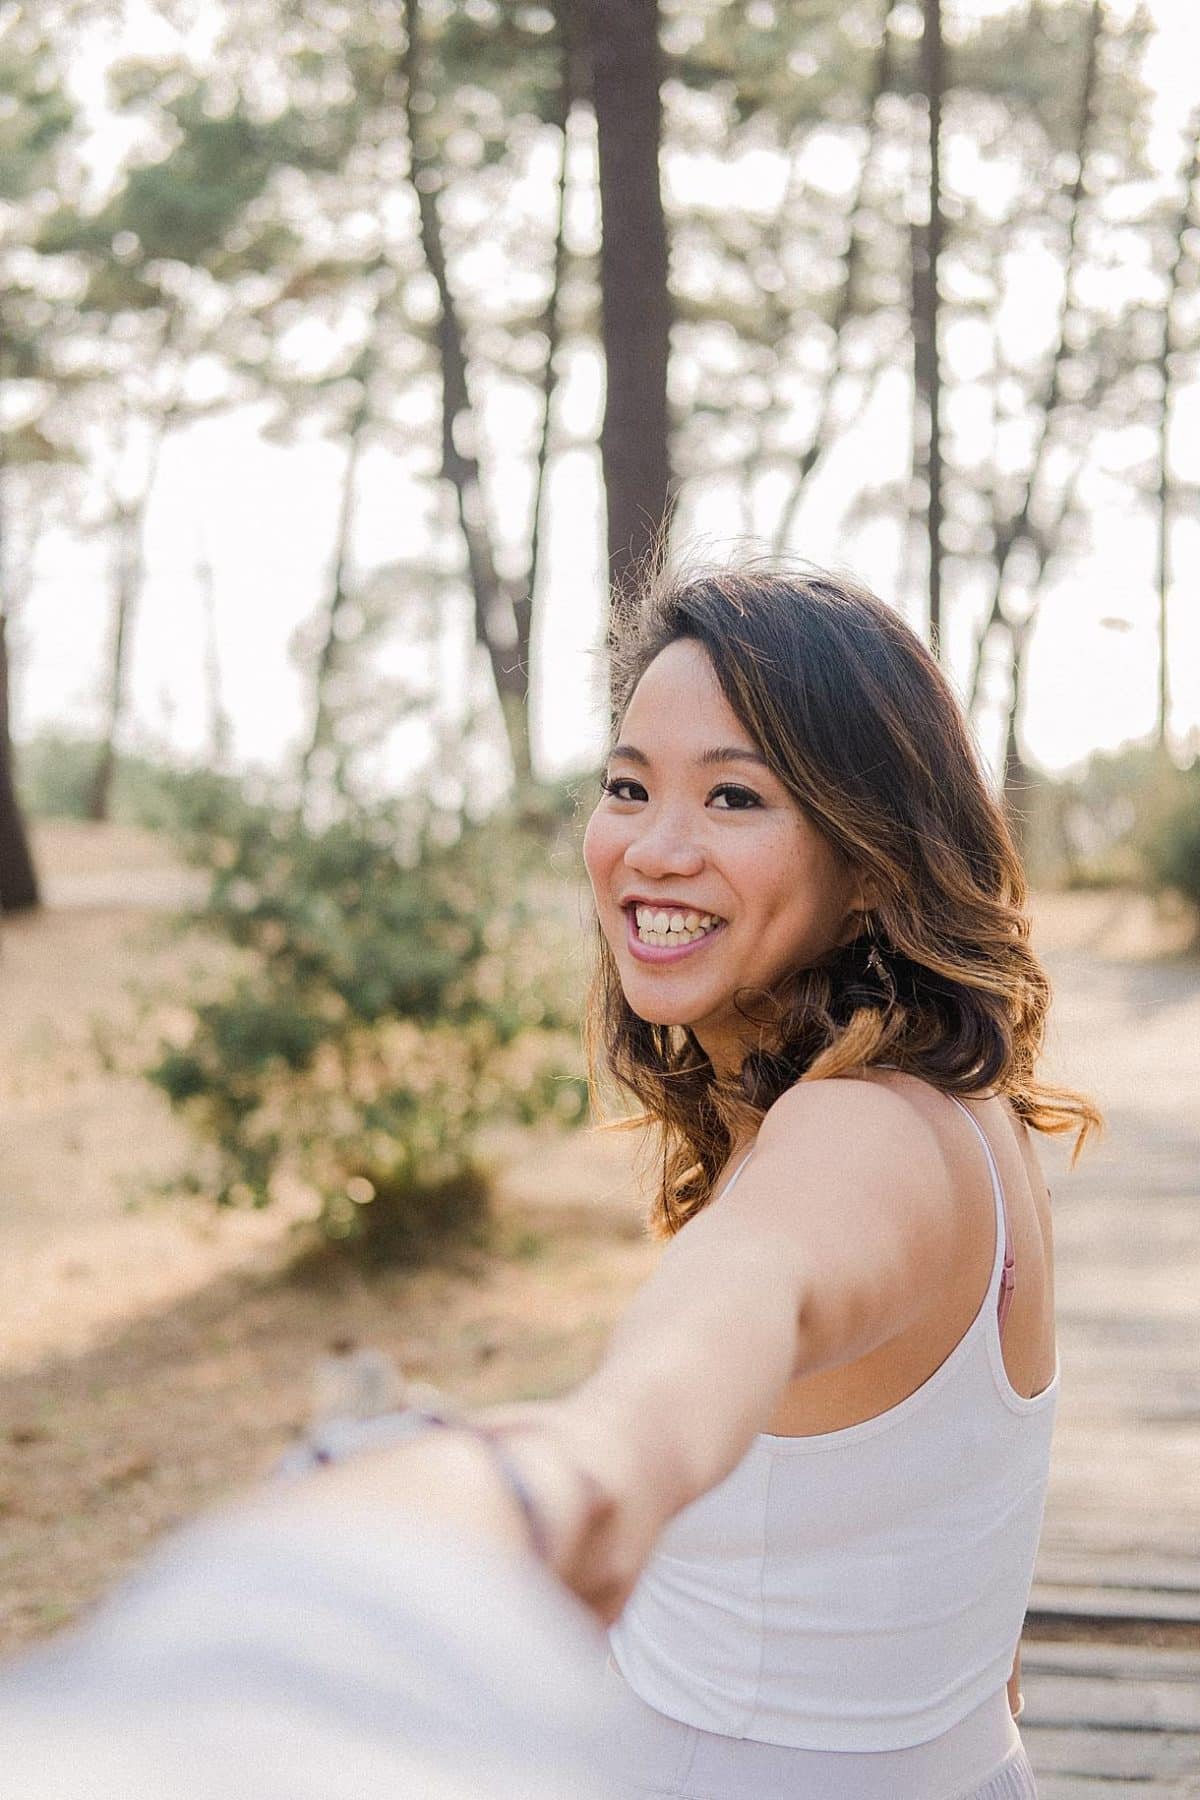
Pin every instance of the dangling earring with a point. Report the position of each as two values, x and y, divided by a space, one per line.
876 964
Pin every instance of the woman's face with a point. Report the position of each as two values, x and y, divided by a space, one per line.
708 878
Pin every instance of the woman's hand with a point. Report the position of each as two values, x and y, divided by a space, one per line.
600 1522
595 1521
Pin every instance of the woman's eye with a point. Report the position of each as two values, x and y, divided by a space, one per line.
616 785
726 798
738 799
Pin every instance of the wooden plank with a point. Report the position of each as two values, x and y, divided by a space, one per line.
1114 1662
1093 1603
1137 1706
1104 1787
1106 1550
1129 1568
1120 1759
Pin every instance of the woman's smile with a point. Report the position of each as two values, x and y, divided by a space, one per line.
665 933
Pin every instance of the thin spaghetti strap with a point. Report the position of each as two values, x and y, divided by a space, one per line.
741 1165
1008 1280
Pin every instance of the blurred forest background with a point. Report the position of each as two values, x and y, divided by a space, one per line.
521 272
524 279
351 358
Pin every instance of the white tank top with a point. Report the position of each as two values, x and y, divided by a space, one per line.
861 1589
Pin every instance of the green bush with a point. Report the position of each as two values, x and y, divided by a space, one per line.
1168 834
55 770
397 984
1109 825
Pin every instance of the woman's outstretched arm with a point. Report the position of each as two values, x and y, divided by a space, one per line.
818 1255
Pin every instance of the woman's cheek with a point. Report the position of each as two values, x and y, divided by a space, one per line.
597 858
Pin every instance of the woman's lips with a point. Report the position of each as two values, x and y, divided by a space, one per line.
664 953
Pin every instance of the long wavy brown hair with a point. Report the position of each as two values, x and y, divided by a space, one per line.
856 719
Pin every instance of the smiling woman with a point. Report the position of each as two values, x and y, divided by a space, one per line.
791 760
813 968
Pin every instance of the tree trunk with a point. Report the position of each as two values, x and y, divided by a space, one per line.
495 602
570 75
322 733
99 798
1168 347
926 253
131 571
18 878
635 300
1016 773
1017 528
823 436
219 729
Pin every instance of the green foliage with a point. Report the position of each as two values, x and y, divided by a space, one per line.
34 110
55 770
1131 819
396 984
182 207
1083 827
1168 834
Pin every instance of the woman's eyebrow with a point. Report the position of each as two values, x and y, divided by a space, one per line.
720 753
731 753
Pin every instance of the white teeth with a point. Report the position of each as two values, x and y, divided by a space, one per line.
657 926
652 918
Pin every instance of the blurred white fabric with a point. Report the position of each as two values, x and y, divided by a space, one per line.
264 1658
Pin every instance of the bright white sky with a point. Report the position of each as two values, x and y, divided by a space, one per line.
263 517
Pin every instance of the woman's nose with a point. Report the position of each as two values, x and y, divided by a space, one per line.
662 848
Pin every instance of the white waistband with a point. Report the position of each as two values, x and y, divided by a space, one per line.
654 1751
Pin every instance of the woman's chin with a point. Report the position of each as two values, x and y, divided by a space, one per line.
658 1010
661 1016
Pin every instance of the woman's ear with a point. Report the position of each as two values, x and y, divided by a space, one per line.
869 897
856 924
859 920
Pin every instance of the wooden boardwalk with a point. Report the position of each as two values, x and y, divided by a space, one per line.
1112 1656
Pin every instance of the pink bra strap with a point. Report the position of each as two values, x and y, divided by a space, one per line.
1008 1280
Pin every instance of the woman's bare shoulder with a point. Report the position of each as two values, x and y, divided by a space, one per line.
870 1121
850 1179
887 1099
